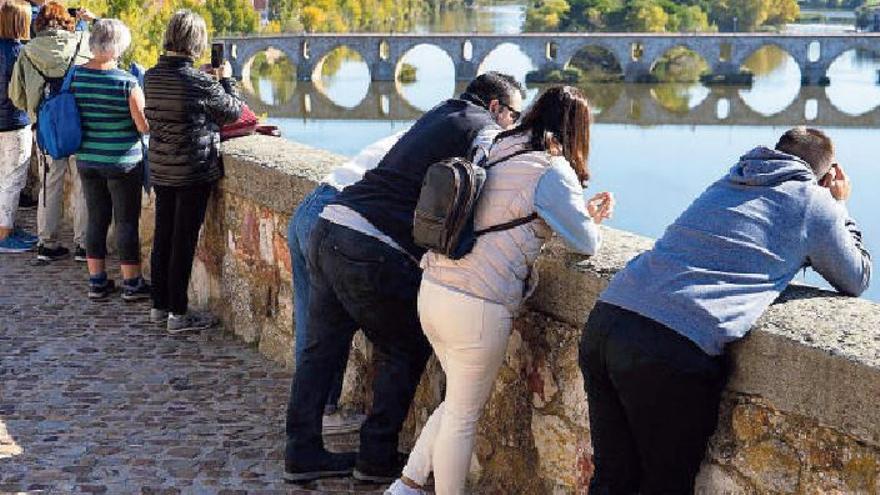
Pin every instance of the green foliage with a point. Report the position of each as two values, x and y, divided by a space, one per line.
408 73
660 15
680 65
233 16
348 15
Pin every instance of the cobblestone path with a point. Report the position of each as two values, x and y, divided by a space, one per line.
96 399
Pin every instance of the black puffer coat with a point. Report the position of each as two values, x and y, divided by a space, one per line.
185 109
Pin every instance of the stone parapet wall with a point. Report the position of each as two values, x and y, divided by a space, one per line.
800 414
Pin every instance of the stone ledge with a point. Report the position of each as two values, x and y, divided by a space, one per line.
812 363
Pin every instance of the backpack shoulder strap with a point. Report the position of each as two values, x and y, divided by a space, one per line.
68 76
507 225
505 158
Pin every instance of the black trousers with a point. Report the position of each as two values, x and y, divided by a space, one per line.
653 399
357 282
180 212
112 194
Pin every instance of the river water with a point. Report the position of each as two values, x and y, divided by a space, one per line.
656 147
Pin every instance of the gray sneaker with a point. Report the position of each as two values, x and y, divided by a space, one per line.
342 422
158 315
190 321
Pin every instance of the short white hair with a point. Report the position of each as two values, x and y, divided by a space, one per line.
109 37
187 34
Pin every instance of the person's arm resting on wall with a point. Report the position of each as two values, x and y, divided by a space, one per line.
559 201
834 242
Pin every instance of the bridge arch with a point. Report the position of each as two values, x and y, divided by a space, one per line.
776 76
507 57
440 72
245 54
598 61
854 71
680 63
348 88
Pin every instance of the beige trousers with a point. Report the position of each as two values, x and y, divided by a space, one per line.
50 212
469 336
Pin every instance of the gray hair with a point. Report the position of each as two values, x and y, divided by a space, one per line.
187 34
109 37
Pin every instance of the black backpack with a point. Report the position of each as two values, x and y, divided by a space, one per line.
444 216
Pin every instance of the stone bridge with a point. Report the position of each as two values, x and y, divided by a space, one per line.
637 53
614 103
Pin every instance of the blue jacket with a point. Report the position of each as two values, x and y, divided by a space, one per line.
11 118
729 255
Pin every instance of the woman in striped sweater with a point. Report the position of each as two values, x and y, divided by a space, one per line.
111 106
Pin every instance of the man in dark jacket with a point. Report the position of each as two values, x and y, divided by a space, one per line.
365 274
652 353
185 109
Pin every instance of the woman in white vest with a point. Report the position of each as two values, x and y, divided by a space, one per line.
467 306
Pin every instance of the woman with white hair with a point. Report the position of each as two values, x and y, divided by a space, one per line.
111 106
185 109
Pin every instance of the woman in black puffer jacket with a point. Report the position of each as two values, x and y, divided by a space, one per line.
185 109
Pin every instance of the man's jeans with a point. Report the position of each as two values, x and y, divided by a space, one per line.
357 281
298 234
653 398
49 210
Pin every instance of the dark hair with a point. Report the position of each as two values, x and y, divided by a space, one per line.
563 113
494 86
53 15
810 145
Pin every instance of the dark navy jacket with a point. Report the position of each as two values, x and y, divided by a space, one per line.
387 195
11 118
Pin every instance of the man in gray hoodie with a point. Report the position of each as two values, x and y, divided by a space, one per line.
652 352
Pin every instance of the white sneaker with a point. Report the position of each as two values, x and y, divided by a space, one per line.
341 422
400 488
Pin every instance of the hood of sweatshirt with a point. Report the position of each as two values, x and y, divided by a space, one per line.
765 167
51 50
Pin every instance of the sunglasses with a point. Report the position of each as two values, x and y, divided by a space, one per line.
513 113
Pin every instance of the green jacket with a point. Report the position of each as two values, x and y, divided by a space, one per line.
50 52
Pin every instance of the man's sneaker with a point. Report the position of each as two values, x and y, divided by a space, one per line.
136 292
79 254
12 244
25 236
52 254
342 422
401 488
101 291
325 465
158 315
380 473
190 321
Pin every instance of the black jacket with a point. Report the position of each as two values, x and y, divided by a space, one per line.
387 195
185 109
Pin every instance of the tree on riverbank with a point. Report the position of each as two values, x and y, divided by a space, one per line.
659 15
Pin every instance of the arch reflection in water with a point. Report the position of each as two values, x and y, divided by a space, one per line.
776 80
343 76
272 78
633 104
854 77
434 76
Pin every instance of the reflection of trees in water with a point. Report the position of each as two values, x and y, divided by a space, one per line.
864 58
766 60
336 58
280 74
680 64
602 95
674 97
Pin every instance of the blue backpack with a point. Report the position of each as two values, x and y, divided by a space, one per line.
59 130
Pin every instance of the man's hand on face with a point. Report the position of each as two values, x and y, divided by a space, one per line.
837 182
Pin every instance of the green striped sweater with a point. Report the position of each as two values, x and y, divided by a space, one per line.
109 135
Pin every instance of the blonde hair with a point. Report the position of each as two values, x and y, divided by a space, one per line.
15 20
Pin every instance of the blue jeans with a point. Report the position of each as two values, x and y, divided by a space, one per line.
298 234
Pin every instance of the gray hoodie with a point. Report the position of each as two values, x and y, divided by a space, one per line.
729 255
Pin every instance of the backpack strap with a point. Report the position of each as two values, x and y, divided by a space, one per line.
503 159
68 77
507 225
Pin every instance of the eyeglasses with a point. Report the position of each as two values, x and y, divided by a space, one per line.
513 113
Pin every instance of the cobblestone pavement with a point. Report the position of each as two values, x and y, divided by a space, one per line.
96 399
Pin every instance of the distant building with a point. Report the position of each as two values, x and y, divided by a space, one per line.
262 7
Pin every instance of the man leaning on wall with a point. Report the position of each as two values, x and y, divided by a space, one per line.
652 352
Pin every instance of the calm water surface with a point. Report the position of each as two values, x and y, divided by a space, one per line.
656 159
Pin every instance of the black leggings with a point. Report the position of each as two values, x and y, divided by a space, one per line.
180 212
112 194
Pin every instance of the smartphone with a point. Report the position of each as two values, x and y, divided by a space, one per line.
216 55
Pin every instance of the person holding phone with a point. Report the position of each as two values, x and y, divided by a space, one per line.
653 350
185 109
